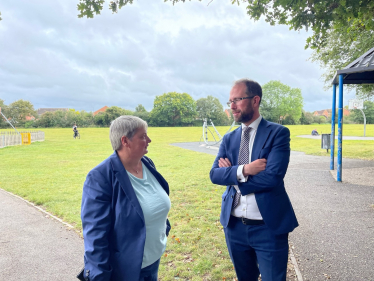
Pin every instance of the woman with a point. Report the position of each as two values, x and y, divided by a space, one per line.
124 209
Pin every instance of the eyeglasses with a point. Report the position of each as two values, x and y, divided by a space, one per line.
236 100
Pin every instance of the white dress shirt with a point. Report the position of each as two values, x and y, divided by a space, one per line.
247 207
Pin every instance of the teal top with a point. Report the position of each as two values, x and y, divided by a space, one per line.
155 204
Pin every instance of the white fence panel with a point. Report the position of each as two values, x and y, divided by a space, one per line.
8 138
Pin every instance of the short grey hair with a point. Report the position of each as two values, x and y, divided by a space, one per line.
252 87
125 125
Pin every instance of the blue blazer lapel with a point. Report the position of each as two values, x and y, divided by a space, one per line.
157 175
123 179
261 136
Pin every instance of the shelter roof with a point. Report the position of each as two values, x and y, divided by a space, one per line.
360 71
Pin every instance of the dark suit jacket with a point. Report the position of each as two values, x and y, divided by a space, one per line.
113 222
272 142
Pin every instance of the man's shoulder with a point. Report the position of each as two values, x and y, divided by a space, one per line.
274 125
232 133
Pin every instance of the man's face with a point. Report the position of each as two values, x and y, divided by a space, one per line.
242 110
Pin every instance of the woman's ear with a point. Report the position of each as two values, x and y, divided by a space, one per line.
124 141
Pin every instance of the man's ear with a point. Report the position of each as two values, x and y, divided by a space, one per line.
257 100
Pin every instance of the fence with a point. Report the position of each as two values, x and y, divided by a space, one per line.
8 138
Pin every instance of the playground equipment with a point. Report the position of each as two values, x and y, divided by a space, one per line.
217 138
9 138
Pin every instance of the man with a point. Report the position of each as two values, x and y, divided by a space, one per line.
256 213
75 130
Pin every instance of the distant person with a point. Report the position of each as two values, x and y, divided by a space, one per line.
125 204
256 212
75 130
314 132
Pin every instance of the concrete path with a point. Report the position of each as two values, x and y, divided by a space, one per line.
35 247
335 239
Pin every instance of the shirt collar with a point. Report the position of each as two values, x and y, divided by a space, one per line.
254 124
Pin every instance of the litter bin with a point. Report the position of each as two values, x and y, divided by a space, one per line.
325 141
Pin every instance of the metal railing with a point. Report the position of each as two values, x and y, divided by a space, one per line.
8 138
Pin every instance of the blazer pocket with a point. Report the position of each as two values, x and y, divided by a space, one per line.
264 153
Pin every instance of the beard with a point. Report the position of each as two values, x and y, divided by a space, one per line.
245 116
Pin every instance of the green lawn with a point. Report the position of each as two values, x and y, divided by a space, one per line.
51 174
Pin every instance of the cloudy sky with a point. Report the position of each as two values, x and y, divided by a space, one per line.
53 59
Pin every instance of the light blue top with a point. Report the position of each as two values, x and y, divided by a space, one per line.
155 204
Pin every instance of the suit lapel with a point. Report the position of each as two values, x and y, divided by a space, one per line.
124 181
261 136
157 175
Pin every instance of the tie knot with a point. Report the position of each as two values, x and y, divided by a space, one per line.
247 129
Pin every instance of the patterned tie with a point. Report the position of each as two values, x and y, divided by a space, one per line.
243 159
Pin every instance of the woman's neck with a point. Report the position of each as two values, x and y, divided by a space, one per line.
131 164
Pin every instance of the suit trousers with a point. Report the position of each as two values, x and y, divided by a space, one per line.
150 272
255 249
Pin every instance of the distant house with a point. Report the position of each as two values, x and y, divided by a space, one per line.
227 112
30 118
327 112
100 110
41 111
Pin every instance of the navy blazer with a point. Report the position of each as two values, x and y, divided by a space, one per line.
113 222
272 142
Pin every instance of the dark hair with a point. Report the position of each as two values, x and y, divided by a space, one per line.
252 87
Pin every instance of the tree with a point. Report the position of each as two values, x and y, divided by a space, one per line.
19 110
320 16
173 109
111 113
4 110
306 118
211 108
140 108
341 49
280 100
142 113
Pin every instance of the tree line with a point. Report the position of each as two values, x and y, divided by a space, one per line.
280 103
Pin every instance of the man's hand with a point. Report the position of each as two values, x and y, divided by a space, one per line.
224 162
254 167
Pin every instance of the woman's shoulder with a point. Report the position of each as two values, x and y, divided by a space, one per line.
149 161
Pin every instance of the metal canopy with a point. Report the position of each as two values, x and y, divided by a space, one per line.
360 71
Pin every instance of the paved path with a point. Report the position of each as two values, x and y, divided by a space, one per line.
335 239
35 247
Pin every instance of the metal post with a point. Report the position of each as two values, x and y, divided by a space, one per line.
340 129
364 121
332 138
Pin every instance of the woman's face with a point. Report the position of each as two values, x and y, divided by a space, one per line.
139 142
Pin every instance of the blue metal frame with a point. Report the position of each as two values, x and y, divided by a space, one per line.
340 129
332 138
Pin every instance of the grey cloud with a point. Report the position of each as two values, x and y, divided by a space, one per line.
53 59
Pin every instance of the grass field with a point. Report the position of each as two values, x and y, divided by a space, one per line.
51 174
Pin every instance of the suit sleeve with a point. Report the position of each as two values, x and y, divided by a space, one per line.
96 223
278 156
225 175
